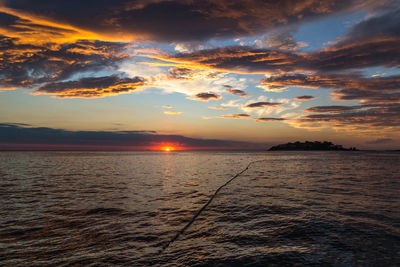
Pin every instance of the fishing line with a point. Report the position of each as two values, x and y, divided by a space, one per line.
180 232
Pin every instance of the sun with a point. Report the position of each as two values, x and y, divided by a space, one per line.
167 148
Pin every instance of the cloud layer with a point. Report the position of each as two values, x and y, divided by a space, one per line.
17 136
163 20
71 49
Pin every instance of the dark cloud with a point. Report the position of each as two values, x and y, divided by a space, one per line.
269 119
367 97
380 141
304 97
360 54
92 87
378 51
183 20
348 86
235 116
336 81
332 109
240 59
379 117
236 92
205 96
11 124
262 104
13 136
379 98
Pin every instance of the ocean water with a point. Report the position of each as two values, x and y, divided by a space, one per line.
122 208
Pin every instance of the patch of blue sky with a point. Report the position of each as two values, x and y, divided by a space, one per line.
94 74
156 98
380 72
318 34
222 42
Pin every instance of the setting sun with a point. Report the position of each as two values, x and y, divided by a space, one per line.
167 148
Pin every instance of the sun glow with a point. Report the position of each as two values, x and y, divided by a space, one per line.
167 148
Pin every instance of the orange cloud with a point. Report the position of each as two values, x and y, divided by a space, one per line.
217 108
92 87
36 30
172 112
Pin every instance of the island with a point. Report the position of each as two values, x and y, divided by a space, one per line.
316 145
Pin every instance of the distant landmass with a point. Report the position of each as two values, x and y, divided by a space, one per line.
316 145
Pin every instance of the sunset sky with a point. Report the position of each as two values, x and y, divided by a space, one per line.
199 74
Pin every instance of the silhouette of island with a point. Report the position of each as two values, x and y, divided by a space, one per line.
316 145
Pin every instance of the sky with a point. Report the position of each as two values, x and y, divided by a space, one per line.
243 74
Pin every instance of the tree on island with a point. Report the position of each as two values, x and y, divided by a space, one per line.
316 145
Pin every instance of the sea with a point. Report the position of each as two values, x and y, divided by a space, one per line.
147 208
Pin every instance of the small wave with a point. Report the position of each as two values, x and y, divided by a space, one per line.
107 211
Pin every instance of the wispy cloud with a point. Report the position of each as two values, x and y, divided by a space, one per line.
262 104
269 119
222 108
236 92
235 116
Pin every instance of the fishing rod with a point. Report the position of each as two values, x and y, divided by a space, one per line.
180 232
